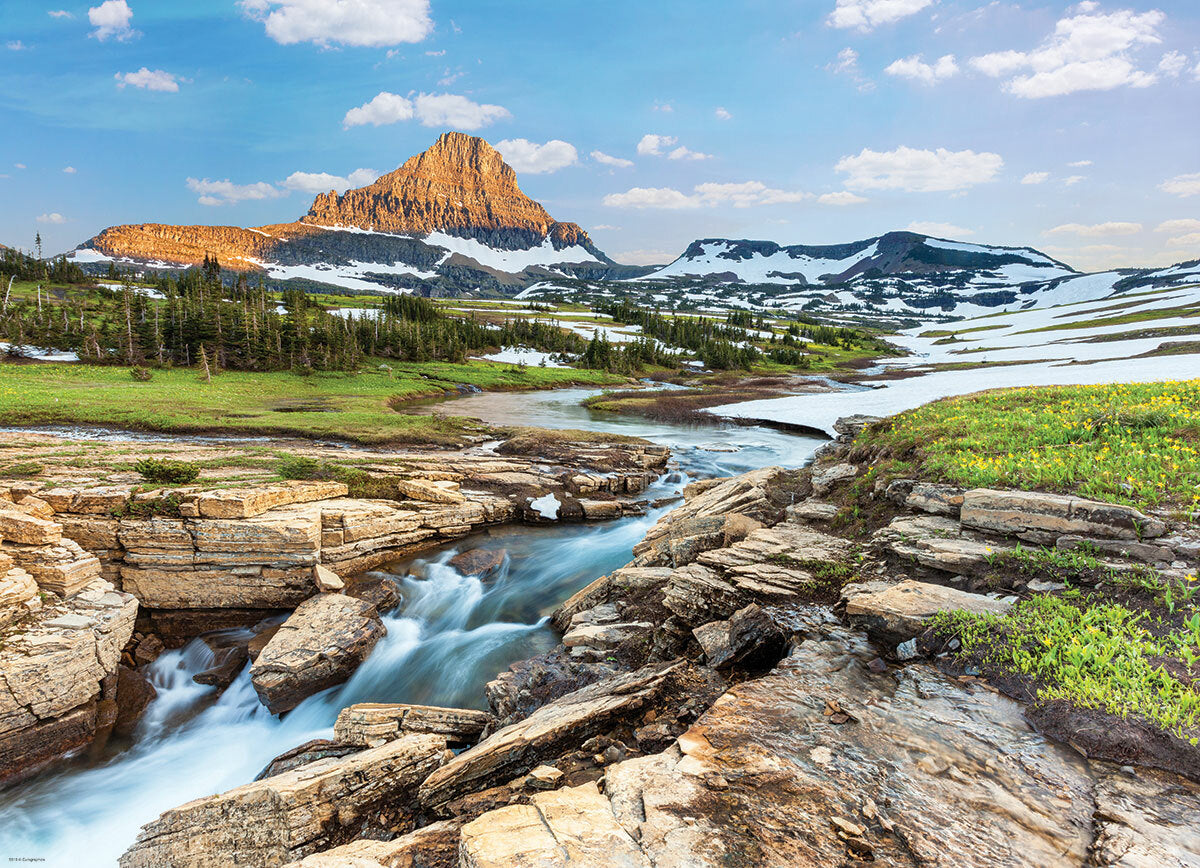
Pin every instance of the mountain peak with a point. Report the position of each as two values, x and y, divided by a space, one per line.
460 185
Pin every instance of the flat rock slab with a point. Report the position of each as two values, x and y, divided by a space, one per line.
432 846
320 645
1020 512
571 828
21 527
286 817
249 502
569 720
902 611
372 723
917 771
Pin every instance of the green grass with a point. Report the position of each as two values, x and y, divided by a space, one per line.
1124 443
1104 656
362 407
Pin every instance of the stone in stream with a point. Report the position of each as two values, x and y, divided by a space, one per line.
320 645
372 723
484 563
286 817
134 693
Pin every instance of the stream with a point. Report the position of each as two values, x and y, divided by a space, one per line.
451 635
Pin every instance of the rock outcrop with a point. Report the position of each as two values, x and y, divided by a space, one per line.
320 645
286 817
369 724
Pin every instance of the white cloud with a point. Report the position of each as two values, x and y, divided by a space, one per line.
1073 180
645 257
441 53
919 171
1096 230
1173 64
917 69
149 79
868 14
722 114
385 108
1191 239
15 45
19 166
1036 178
111 20
742 194
682 153
663 107
432 110
651 197
60 13
344 22
847 64
606 159
323 182
226 192
1182 185
53 217
1080 164
526 156
845 197
940 230
652 145
1086 52
452 110
69 170
1184 225
606 226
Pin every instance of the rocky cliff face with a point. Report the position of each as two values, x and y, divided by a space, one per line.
462 186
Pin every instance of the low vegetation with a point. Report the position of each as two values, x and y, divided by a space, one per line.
1135 444
166 471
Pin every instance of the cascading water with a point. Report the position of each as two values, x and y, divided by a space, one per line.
451 635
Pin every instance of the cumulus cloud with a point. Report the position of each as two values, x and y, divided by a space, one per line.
226 192
1073 180
1173 64
842 198
1185 225
1087 51
651 197
112 20
869 14
742 194
919 171
432 110
682 153
60 13
1182 185
1036 178
53 217
917 69
608 160
722 114
149 79
526 156
847 64
372 23
1096 230
322 182
652 145
940 230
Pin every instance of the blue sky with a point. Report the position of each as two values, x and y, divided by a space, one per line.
1071 127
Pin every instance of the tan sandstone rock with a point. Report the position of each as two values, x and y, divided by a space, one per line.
902 611
372 723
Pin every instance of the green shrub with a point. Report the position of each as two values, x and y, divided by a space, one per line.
301 467
141 375
167 471
24 468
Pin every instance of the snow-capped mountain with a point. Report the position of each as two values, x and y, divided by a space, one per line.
450 219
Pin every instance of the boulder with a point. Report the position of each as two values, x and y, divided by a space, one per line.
303 754
134 693
902 611
939 543
61 568
430 492
825 477
568 827
320 645
372 723
18 594
750 639
326 579
567 721
626 582
483 563
851 426
286 817
812 510
935 498
1048 516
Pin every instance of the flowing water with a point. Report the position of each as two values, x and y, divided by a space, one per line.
451 636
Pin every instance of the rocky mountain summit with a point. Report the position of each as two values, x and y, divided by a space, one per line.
450 218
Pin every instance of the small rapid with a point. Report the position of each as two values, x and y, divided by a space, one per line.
449 637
